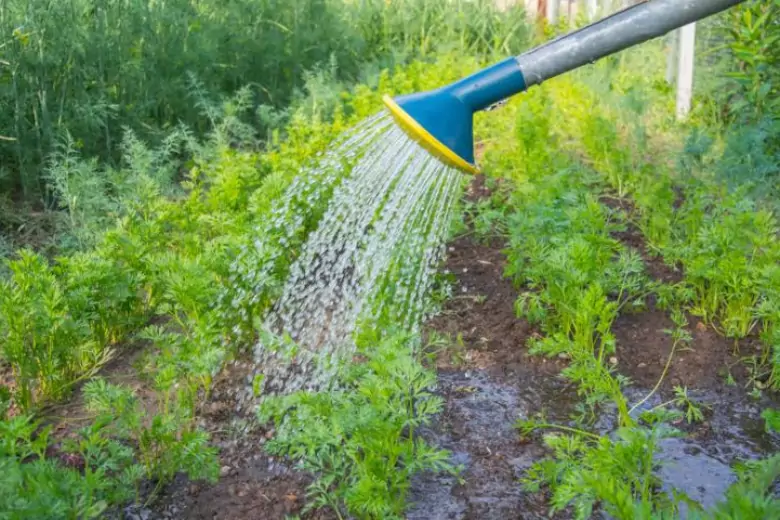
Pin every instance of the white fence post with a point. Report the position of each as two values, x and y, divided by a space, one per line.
552 11
592 9
672 44
685 70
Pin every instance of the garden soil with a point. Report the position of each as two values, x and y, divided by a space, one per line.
488 381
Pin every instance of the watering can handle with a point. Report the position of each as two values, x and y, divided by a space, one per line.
631 26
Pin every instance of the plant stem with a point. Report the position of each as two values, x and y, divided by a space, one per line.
660 379
540 426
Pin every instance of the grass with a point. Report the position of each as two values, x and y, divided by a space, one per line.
169 241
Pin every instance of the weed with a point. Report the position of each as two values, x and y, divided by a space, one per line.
693 410
438 344
680 337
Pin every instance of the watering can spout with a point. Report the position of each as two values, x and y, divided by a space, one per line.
441 120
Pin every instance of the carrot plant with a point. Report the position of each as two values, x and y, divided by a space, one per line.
187 270
167 442
50 339
593 153
361 441
574 278
617 474
723 241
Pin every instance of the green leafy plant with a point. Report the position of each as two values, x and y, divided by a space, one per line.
617 473
361 442
46 346
752 38
91 472
772 418
167 442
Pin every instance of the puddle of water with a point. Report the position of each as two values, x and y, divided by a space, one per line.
687 468
478 428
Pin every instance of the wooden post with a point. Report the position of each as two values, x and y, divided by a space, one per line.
685 70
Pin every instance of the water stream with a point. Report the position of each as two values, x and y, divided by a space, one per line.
373 255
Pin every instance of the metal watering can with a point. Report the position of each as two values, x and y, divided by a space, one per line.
442 120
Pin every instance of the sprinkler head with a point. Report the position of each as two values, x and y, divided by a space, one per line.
441 120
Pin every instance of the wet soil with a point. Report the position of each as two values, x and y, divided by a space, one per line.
644 345
710 365
712 369
487 383
252 484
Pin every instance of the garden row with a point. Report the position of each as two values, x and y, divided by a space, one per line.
613 210
180 261
183 273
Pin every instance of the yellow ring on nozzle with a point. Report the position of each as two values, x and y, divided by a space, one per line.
415 130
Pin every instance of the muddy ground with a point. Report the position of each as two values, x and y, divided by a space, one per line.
488 381
252 484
